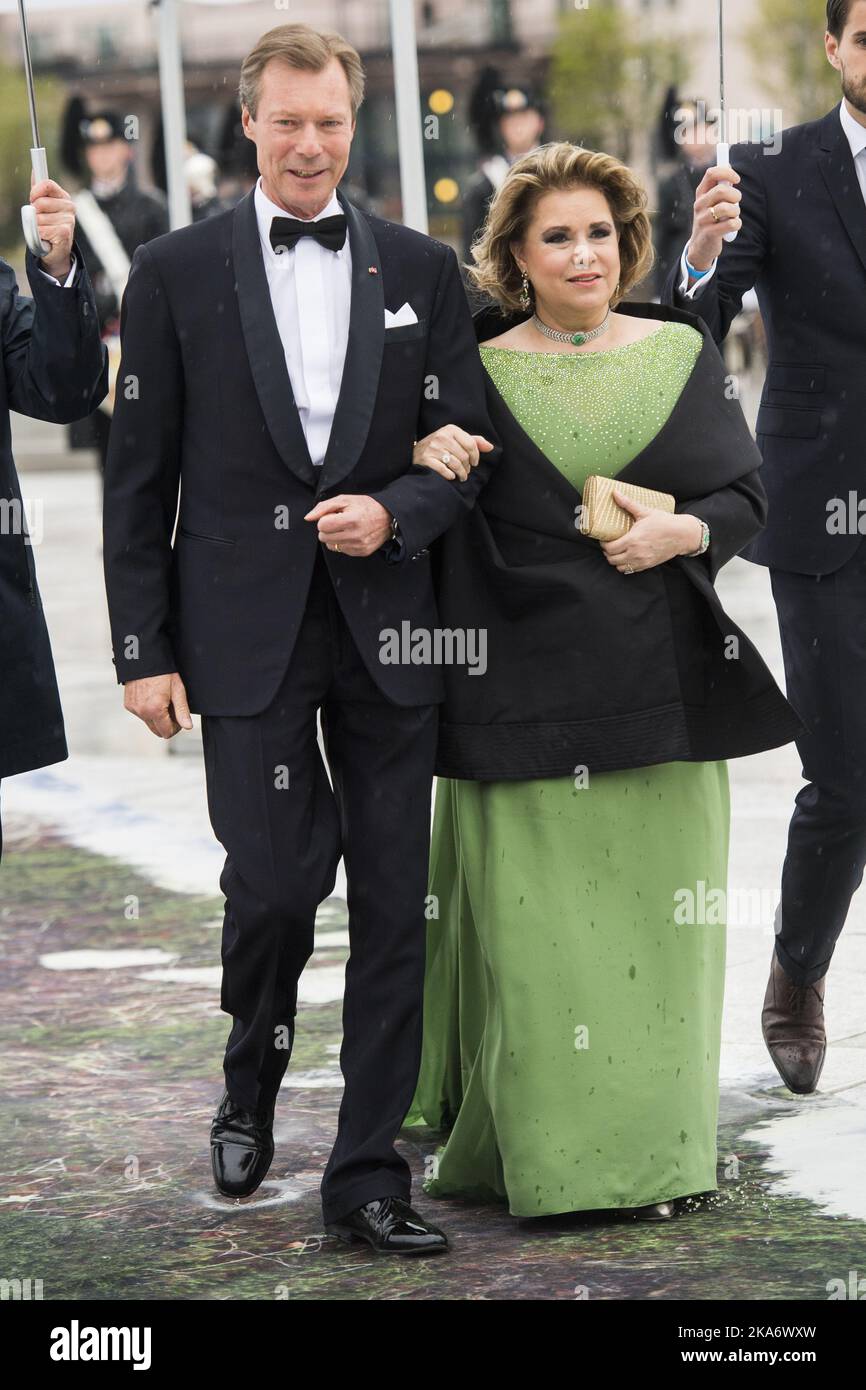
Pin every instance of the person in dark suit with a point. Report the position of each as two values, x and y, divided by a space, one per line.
54 368
278 363
800 213
676 190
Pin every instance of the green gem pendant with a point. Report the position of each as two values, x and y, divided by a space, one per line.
578 338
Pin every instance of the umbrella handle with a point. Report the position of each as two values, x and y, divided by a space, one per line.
39 162
723 156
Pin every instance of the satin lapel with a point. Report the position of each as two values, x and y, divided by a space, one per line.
264 346
364 350
836 163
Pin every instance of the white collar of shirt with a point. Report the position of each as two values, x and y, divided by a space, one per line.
266 211
855 132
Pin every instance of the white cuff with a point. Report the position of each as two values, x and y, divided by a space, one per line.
689 287
67 282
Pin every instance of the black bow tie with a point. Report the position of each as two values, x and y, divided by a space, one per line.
329 232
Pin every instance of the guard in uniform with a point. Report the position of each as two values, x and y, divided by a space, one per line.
113 216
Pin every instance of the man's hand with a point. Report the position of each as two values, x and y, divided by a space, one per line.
450 451
357 525
161 702
656 537
56 223
55 218
708 232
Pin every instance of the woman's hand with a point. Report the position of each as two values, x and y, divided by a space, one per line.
450 451
655 537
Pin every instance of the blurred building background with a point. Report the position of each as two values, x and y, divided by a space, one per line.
603 67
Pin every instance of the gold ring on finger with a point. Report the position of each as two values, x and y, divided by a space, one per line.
337 546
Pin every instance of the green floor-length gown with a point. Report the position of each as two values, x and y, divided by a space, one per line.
571 1024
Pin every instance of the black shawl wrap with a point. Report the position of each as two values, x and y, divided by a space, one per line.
587 667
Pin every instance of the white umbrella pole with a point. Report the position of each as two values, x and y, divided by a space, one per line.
723 148
173 112
38 158
407 93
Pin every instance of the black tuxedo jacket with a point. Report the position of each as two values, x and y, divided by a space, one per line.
54 368
803 247
204 403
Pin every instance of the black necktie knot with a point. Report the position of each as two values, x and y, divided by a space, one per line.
330 232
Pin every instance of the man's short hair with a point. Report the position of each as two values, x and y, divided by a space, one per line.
302 47
837 16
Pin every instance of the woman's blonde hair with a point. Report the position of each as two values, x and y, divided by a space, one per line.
558 165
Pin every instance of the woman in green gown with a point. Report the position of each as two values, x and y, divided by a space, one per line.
571 1025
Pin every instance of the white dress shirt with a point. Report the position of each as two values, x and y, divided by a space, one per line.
311 292
856 134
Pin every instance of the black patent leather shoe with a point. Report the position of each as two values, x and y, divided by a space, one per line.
241 1147
391 1227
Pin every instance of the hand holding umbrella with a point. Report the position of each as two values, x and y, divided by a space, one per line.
53 217
723 148
717 198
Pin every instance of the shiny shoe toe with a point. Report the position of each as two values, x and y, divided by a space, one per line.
391 1227
241 1146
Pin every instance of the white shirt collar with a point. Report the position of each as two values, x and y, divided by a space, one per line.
267 210
855 132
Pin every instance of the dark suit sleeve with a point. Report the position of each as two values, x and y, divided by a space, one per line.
735 515
55 365
424 503
721 299
142 477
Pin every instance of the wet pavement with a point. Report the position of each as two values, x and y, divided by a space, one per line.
112 1040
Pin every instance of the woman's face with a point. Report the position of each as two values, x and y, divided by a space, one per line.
571 255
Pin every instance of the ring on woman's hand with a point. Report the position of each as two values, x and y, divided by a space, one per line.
628 570
336 546
446 457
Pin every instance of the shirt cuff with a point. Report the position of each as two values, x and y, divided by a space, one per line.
688 287
67 282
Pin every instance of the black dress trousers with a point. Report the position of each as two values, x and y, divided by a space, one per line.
284 829
822 624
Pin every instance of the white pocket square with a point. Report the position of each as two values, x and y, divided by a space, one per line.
405 314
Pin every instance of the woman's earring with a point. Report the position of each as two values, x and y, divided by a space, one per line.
524 294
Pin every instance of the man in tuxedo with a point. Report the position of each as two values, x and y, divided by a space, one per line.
54 368
800 214
278 363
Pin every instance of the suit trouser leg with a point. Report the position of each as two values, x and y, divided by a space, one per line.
381 758
283 843
273 810
822 623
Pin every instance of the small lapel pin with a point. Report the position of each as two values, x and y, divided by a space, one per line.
372 270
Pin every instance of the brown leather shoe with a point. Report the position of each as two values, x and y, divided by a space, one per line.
793 1026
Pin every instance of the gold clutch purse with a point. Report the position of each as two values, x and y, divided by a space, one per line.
604 519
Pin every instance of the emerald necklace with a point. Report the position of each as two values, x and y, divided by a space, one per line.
576 338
